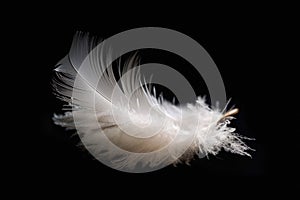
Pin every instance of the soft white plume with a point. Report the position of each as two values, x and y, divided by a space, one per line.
123 125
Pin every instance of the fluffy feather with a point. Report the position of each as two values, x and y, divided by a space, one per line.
123 125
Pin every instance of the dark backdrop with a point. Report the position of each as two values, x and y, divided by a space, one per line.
240 44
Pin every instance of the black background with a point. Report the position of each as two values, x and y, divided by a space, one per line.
242 45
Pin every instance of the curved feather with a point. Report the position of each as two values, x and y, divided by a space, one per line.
123 125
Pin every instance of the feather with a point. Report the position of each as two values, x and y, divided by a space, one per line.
126 127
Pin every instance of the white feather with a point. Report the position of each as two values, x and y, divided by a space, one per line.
126 127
